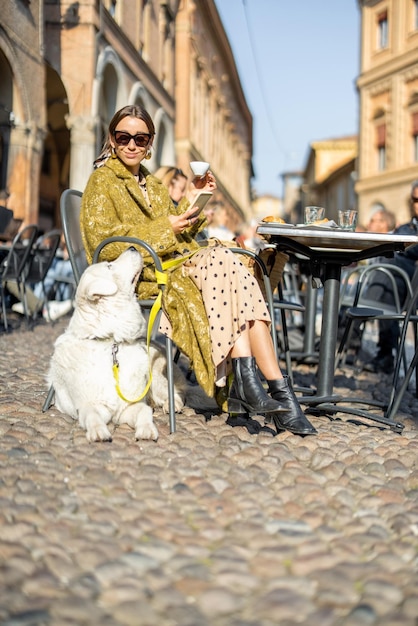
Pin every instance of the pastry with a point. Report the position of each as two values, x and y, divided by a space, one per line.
271 218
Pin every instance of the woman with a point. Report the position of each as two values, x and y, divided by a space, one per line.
175 180
212 305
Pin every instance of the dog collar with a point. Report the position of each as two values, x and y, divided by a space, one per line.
115 348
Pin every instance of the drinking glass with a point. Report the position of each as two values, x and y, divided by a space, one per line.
314 214
347 220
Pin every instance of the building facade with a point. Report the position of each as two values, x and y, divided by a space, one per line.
66 67
388 94
213 122
329 175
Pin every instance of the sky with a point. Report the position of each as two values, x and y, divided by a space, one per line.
298 61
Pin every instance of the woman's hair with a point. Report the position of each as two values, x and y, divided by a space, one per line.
166 173
131 110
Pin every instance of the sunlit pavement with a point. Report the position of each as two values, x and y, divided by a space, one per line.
208 526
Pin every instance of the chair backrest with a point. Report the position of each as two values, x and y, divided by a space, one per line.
16 265
6 216
70 204
369 277
43 254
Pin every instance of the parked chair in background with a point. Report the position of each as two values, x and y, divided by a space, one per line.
43 254
365 309
398 390
14 269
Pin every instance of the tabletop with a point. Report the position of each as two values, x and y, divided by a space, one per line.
319 237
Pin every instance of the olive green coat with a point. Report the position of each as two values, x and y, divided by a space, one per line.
114 205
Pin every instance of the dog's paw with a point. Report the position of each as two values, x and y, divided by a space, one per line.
98 432
146 430
178 404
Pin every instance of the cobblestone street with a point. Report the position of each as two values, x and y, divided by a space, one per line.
210 526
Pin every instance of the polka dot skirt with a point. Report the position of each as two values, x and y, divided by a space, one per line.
231 296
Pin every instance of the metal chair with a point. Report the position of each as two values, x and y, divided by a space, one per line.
365 309
70 213
70 203
398 391
43 254
15 267
272 275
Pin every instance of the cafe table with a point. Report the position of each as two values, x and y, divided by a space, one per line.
328 250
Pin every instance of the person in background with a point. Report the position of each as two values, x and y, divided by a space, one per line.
381 221
382 291
175 180
212 306
218 228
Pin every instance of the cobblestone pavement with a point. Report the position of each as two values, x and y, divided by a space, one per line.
210 526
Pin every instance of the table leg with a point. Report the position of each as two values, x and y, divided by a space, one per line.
326 366
310 317
324 401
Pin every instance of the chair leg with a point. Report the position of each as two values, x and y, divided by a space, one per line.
345 340
286 347
49 399
170 378
3 306
398 394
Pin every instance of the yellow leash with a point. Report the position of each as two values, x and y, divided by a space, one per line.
161 280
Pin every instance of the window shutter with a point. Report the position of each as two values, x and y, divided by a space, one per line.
381 135
415 124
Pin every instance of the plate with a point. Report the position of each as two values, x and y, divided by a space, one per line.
325 225
279 224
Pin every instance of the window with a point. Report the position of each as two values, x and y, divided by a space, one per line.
111 7
381 147
382 30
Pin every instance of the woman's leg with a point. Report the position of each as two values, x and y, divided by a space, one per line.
262 349
256 341
279 387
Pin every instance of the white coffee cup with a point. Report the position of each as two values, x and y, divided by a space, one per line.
199 168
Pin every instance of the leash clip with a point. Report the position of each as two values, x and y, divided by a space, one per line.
115 349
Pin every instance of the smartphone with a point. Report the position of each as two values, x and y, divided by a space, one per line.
201 201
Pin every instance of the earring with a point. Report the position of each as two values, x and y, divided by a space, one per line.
148 154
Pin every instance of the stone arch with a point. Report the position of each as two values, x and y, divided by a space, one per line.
109 93
139 95
164 149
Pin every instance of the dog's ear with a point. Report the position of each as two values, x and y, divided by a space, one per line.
100 287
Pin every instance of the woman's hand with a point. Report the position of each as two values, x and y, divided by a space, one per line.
201 183
187 219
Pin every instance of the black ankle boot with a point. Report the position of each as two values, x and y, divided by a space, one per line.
247 394
294 419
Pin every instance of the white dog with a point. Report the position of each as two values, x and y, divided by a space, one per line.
107 329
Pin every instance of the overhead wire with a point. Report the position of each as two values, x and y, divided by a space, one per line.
260 81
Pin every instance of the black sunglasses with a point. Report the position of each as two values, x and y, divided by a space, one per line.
123 138
414 199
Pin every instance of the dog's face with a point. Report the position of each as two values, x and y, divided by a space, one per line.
106 305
